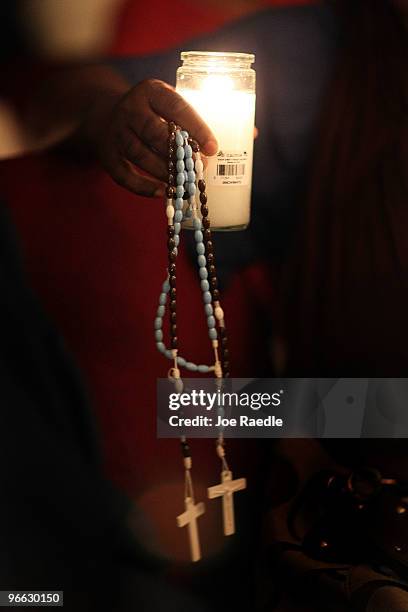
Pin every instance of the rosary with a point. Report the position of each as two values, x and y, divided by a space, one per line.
185 183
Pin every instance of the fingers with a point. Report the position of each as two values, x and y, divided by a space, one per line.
152 101
125 175
139 154
138 136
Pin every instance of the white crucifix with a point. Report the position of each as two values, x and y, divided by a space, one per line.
189 517
226 490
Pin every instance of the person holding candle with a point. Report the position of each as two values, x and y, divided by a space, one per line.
297 317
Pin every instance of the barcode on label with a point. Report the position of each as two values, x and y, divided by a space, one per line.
230 169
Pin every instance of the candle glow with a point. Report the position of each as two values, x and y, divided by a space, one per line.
230 112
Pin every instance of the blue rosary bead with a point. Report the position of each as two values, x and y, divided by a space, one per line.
180 153
203 369
191 366
188 151
166 286
177 227
191 188
158 334
185 177
179 139
176 240
205 285
163 299
208 309
161 311
189 164
158 322
184 134
169 354
178 216
198 235
181 361
211 321
197 223
191 176
200 248
212 332
180 179
203 273
207 297
161 347
180 165
188 213
179 191
179 203
201 261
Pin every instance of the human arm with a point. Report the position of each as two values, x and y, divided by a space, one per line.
123 127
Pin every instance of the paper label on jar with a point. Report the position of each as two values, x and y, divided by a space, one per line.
229 168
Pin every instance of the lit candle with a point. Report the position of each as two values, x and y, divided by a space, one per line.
221 88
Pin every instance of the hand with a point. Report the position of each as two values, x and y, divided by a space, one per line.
129 134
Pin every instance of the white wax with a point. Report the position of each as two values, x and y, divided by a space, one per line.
231 116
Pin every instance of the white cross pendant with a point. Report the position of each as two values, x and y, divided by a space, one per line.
226 490
189 517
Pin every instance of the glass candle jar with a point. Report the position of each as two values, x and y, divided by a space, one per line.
221 88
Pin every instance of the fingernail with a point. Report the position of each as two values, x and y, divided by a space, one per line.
211 147
159 193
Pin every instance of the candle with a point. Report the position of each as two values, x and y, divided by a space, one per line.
221 88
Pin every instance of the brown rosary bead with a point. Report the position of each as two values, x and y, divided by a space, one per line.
203 198
210 258
225 353
211 270
206 223
173 317
185 449
172 281
170 180
171 138
201 185
225 373
173 293
204 210
172 127
216 295
170 191
171 243
171 166
172 267
170 230
173 306
172 256
226 365
174 342
194 145
173 330
213 283
207 234
170 152
209 246
223 332
224 343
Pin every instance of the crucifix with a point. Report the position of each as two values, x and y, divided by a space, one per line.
189 517
226 490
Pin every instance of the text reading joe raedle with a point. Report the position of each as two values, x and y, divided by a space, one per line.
203 408
217 402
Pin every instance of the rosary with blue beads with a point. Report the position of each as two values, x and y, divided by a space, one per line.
185 182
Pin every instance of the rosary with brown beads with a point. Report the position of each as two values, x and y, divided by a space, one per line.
185 182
